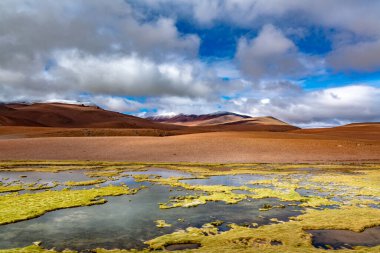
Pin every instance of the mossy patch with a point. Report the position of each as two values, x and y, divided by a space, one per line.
282 237
11 188
84 183
18 207
162 224
34 249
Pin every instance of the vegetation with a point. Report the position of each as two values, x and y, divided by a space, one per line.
18 207
162 224
349 190
276 237
11 188
84 183
226 193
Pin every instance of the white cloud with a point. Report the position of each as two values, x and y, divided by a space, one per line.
325 107
358 20
357 16
117 104
272 55
362 56
59 48
76 72
128 75
331 106
7 76
172 105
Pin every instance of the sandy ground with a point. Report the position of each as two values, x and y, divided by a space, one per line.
221 147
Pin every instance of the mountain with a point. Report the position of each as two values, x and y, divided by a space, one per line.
201 120
226 121
217 118
363 130
59 119
71 116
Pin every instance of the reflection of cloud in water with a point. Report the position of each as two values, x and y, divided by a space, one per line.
72 217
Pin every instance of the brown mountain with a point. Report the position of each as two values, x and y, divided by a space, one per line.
201 120
363 130
226 121
59 119
71 116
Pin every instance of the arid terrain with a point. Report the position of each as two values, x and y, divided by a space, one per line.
87 135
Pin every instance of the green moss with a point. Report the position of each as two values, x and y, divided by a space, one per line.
289 236
120 251
107 173
15 207
11 188
226 193
33 249
37 187
162 224
84 183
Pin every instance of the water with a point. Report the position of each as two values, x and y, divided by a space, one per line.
43 177
338 239
230 180
160 172
127 221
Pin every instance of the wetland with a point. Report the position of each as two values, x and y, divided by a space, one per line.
141 207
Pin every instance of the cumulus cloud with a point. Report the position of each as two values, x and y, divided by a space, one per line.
270 54
37 27
362 56
131 56
77 72
52 49
117 104
127 75
329 106
357 16
172 105
321 108
358 19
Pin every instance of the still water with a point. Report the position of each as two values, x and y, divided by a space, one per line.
127 221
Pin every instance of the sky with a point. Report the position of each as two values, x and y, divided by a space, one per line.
309 63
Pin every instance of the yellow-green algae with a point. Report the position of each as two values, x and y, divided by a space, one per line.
363 182
37 187
162 224
18 207
287 237
84 183
11 188
290 236
226 194
20 187
33 249
200 168
105 173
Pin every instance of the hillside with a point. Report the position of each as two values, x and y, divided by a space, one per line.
226 121
364 130
64 120
71 116
201 120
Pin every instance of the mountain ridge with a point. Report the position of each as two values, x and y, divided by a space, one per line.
70 116
216 118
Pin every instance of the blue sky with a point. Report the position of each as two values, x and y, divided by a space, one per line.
310 63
